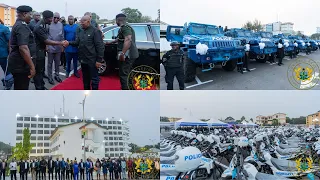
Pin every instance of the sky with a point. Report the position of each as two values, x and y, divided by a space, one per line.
221 104
234 13
106 9
140 108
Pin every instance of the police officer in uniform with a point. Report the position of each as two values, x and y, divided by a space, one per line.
41 35
23 50
173 63
280 52
127 49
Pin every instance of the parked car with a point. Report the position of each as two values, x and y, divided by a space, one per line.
147 41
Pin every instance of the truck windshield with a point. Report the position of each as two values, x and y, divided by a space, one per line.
248 34
212 30
266 35
196 29
240 33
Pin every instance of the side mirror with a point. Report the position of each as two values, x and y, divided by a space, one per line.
114 37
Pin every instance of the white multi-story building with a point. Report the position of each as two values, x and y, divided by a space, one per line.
115 141
276 26
318 29
287 27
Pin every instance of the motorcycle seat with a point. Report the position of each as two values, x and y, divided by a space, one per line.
285 146
286 151
225 145
284 165
264 176
168 154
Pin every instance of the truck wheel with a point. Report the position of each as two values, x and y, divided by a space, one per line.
190 69
230 65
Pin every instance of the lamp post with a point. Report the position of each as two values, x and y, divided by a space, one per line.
86 93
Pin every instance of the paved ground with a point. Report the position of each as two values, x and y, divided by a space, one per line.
62 76
264 76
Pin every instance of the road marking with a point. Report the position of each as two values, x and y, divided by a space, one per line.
250 70
199 82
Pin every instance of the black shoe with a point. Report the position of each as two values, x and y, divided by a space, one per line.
248 70
77 75
279 64
51 81
44 88
57 78
45 76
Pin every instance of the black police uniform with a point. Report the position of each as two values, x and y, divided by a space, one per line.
21 35
173 63
90 50
131 55
280 53
41 34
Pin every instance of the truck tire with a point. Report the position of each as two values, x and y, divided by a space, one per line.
190 69
230 65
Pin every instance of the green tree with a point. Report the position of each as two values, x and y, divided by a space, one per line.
253 26
22 150
164 119
288 120
243 118
275 122
205 120
134 148
158 19
299 34
251 119
133 15
315 36
146 19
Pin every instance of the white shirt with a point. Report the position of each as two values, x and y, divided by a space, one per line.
25 165
13 166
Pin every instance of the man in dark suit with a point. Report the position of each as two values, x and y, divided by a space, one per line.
38 168
43 165
50 167
63 169
57 166
3 168
91 169
24 168
82 167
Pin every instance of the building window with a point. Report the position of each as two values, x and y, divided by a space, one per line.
46 119
40 137
46 137
110 132
119 133
112 155
40 125
79 120
40 144
121 143
33 131
73 120
19 118
53 120
33 151
106 155
106 149
33 125
46 145
114 127
121 149
19 125
40 131
116 143
111 149
116 155
99 122
46 132
110 138
18 138
46 150
63 120
39 150
109 127
47 126
19 131
121 154
33 138
26 118
105 133
114 133
116 149
26 125
53 126
119 127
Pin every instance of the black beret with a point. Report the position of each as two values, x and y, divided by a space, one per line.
47 14
120 15
24 9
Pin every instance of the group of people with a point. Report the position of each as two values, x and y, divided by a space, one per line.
24 49
72 169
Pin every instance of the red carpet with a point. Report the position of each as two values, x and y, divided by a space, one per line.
110 82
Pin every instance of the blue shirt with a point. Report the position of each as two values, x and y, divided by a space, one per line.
4 40
70 35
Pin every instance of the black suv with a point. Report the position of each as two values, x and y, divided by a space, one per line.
148 44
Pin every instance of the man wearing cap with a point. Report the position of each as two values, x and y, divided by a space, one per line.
35 20
23 50
90 53
42 39
127 49
173 63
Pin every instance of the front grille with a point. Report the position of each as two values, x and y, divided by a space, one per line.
220 44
